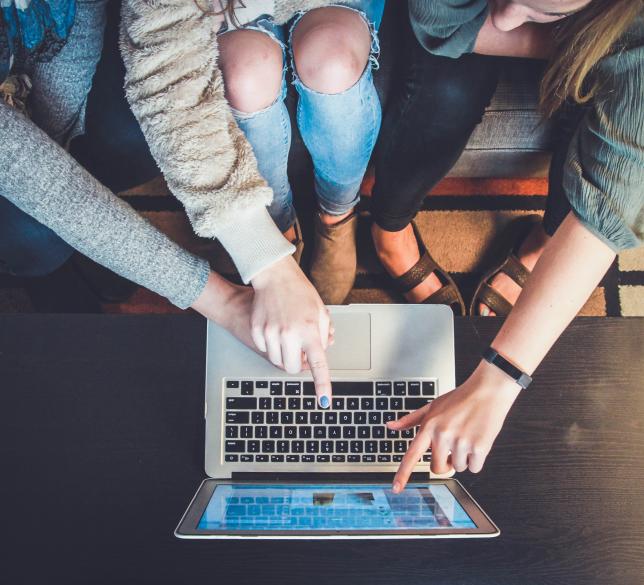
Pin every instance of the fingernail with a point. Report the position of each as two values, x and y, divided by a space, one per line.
324 401
397 487
485 312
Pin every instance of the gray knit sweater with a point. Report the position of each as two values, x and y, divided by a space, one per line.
176 92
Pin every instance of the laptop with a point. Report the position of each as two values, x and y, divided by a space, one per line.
282 467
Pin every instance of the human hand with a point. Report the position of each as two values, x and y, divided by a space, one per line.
291 324
461 426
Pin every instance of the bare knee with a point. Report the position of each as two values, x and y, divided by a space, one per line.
331 48
251 63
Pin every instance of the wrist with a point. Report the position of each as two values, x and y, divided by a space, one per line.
212 301
488 376
275 273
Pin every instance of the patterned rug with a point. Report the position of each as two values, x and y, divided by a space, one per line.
460 221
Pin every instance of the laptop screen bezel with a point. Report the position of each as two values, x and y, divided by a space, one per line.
188 526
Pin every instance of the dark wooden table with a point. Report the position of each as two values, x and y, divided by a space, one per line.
101 448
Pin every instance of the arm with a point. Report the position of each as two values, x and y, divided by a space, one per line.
530 40
467 420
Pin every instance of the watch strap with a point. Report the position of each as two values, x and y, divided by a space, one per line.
493 357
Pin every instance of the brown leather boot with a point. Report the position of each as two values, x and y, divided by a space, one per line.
334 261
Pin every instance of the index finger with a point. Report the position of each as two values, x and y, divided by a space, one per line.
316 358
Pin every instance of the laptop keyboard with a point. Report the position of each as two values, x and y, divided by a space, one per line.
274 421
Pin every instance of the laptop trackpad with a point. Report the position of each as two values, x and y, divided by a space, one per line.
352 347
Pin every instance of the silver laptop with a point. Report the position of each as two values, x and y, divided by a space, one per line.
264 430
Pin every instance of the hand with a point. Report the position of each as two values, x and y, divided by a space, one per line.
460 426
291 324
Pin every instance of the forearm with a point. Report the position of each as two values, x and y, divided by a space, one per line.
532 41
571 266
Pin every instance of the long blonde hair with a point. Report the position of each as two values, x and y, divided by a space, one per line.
581 42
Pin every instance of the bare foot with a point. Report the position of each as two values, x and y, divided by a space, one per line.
529 253
398 252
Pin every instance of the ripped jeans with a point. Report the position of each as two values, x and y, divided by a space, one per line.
339 130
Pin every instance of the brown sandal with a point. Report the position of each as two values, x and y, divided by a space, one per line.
510 265
448 294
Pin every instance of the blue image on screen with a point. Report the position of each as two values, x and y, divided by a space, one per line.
332 507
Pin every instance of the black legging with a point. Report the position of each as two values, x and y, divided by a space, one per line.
428 124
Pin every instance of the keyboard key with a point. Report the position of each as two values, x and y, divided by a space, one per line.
265 402
292 458
427 457
366 404
335 432
276 388
338 458
345 418
342 446
235 446
308 403
382 403
316 418
429 389
396 458
241 403
400 446
261 458
308 458
275 432
396 403
272 418
297 446
231 458
353 458
375 418
286 418
368 458
239 418
384 458
371 446
383 388
293 389
252 446
353 403
247 388
312 446
232 432
387 416
356 446
302 418
323 458
413 389
348 432
407 434
385 446
257 417
279 403
400 388
392 434
360 418
261 384
337 403
319 432
415 403
283 446
232 383
277 458
294 403
261 432
246 432
246 458
268 446
308 389
290 432
352 388
326 446
330 418
378 432
364 432
304 432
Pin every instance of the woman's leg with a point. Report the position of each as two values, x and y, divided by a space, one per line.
252 63
424 133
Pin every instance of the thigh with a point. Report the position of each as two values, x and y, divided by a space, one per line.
60 87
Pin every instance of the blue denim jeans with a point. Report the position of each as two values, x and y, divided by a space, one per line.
58 100
339 130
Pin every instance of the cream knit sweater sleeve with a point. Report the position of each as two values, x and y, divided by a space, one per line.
176 92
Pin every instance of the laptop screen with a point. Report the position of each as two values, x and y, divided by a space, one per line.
332 507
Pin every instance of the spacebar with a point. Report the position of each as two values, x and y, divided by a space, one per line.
344 388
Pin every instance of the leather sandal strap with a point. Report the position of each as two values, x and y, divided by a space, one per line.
446 295
416 274
515 270
490 297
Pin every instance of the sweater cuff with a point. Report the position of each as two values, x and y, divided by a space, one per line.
254 242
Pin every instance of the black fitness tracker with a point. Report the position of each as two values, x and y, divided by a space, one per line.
492 356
